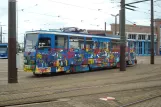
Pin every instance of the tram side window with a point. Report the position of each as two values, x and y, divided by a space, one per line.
76 42
100 45
44 43
96 45
89 43
81 42
103 45
61 41
114 44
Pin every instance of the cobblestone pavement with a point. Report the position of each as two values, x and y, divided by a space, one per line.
84 89
122 98
150 103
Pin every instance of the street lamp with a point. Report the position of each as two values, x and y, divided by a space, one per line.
115 22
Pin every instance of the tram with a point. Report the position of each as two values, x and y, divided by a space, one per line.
58 51
3 51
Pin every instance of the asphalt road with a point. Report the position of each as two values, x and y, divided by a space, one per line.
84 89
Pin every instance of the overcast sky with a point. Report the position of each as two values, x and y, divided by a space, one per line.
87 14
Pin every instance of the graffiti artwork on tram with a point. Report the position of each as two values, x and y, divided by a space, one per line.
61 59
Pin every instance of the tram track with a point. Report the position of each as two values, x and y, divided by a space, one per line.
43 79
76 85
141 100
139 97
57 91
150 77
50 77
154 94
80 87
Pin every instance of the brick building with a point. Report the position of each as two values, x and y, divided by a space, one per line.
157 24
139 32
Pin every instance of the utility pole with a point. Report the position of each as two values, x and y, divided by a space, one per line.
122 37
152 33
12 70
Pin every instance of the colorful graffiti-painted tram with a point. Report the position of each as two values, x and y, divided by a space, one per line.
52 52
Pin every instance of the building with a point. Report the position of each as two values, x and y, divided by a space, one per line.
142 33
157 24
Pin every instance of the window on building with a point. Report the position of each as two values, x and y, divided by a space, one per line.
132 36
129 36
149 37
141 37
61 41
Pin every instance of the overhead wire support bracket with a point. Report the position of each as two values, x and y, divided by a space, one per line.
130 5
130 9
137 2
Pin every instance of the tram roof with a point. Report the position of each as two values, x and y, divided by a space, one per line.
108 36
